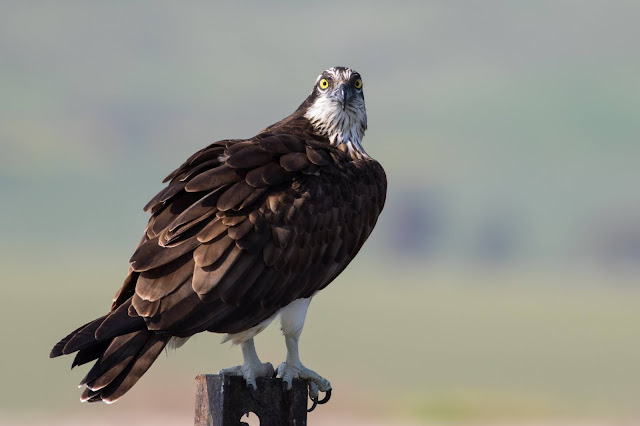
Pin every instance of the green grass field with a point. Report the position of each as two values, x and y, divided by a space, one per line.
515 119
414 343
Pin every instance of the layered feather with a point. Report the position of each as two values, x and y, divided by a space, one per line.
243 228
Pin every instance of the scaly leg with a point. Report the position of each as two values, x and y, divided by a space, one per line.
292 318
251 367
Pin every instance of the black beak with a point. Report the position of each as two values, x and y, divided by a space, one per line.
343 95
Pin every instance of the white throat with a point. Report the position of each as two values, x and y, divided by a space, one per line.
344 128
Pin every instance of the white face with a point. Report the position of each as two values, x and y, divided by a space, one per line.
338 109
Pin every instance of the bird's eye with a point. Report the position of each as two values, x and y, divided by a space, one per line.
323 84
357 84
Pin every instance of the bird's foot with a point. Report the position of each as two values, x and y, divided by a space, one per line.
289 371
249 371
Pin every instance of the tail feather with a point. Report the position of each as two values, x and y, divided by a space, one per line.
114 359
83 339
59 348
91 353
90 396
136 369
121 366
119 323
123 347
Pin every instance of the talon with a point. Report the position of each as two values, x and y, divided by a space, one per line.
327 397
313 407
252 391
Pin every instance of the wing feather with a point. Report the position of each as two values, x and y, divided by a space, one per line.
239 231
214 178
210 275
209 253
234 196
294 162
203 266
249 157
156 283
151 254
212 230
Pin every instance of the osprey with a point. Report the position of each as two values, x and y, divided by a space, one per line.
247 229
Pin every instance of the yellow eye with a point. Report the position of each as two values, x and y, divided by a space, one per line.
357 84
323 84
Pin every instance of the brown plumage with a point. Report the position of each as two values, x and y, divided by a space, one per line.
243 228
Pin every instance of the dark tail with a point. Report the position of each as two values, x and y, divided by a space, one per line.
123 347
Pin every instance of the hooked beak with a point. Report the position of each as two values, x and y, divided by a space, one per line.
343 92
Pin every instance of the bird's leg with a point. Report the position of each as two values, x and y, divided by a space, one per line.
293 368
292 318
251 367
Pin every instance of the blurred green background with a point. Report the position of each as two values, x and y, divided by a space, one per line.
501 285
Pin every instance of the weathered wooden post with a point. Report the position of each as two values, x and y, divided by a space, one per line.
224 400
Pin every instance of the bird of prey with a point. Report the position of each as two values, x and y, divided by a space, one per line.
246 229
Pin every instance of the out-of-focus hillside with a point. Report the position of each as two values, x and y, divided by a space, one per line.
502 280
511 129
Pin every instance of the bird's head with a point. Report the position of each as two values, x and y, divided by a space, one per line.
336 107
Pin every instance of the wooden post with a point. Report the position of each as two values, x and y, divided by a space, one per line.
224 400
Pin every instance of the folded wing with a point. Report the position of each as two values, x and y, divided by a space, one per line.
246 227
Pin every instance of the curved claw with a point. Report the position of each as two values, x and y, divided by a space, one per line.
327 397
313 407
252 391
